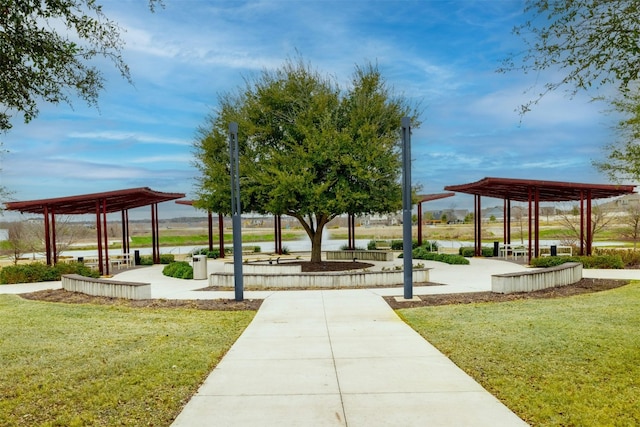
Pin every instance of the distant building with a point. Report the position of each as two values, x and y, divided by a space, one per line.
452 215
390 219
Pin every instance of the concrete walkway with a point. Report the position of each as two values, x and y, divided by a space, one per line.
338 358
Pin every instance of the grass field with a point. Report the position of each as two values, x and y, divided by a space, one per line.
203 239
79 365
564 362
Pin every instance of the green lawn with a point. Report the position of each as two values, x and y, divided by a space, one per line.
203 239
79 365
562 362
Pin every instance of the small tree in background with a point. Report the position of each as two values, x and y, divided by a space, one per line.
570 219
632 222
19 241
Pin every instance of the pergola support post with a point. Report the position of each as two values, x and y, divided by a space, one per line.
221 234
537 222
47 235
54 246
581 222
529 218
589 224
277 230
155 230
210 229
419 223
478 225
105 232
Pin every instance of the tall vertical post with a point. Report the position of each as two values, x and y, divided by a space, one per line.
210 228
236 212
407 244
54 245
419 223
221 234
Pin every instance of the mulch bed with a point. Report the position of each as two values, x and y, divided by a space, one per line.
581 287
60 295
584 286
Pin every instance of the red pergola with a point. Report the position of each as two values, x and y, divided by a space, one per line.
101 204
427 198
533 192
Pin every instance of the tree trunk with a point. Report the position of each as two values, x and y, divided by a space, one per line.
316 245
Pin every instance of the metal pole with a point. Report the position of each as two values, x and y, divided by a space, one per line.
236 212
406 208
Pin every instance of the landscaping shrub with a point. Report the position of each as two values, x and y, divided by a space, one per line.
76 268
397 245
40 272
594 261
630 257
146 260
179 270
431 246
164 259
422 253
214 254
469 252
167 258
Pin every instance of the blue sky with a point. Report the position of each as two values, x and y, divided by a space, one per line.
443 54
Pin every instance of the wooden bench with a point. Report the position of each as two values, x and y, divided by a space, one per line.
106 287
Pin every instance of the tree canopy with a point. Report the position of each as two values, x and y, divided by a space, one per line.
309 149
46 48
594 43
593 46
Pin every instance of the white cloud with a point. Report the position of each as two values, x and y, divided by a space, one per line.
128 136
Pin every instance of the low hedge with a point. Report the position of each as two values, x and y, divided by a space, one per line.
214 254
40 272
398 245
164 259
179 270
422 253
470 252
630 257
594 261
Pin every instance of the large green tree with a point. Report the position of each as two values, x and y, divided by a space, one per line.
309 149
46 48
591 46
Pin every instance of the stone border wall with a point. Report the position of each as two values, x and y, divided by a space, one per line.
263 267
528 281
105 287
330 280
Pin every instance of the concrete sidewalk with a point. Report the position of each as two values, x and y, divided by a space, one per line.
338 358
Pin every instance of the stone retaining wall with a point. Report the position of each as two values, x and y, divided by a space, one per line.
264 268
331 280
527 281
106 287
